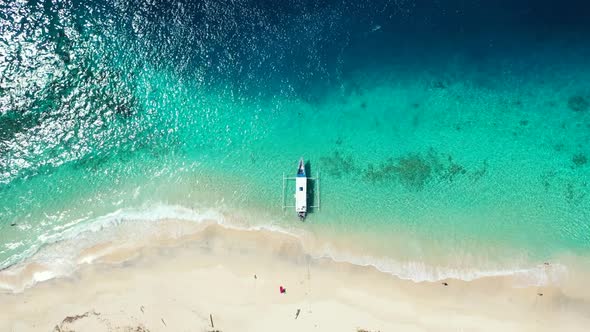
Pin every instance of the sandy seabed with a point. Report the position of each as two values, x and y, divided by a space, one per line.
220 279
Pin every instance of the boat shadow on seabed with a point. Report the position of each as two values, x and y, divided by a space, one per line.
311 183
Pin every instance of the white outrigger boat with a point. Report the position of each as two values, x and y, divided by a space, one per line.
301 191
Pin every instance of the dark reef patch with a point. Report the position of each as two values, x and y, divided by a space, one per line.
414 170
439 84
452 170
572 189
569 193
579 159
574 192
558 147
547 179
382 172
578 103
337 164
479 173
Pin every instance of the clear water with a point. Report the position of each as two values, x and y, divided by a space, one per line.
449 135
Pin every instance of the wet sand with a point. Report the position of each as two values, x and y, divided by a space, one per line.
233 278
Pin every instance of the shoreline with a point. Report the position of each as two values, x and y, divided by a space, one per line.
174 284
63 253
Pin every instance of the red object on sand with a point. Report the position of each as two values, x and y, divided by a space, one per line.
282 290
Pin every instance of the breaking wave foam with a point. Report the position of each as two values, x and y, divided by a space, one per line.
59 254
416 271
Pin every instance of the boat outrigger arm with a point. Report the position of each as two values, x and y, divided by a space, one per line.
301 191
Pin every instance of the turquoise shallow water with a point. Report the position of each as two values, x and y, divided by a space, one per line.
453 155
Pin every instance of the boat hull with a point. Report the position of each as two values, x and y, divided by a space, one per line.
301 191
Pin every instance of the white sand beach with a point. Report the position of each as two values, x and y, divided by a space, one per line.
231 278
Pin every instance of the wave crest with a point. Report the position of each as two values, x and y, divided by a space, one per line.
62 253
